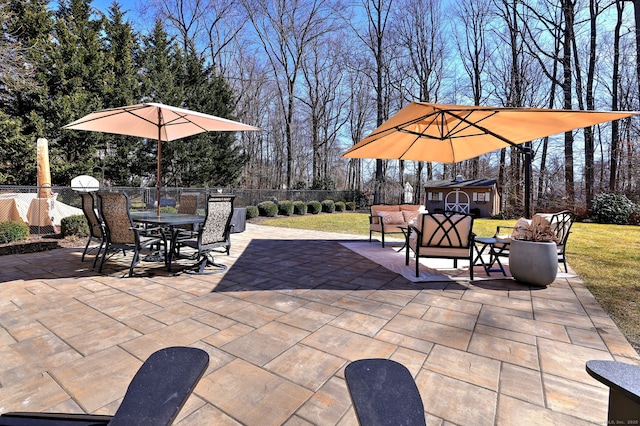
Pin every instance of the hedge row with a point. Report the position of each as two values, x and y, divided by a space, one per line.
288 208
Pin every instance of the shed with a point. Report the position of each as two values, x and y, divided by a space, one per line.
475 196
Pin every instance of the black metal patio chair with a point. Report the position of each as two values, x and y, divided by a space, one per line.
446 235
214 234
96 228
119 229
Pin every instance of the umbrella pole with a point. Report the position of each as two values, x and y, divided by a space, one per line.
158 177
527 181
158 181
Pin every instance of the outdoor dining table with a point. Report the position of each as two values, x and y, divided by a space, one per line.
171 223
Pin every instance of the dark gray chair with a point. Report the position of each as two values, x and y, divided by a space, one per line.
119 229
623 381
96 228
188 204
384 393
214 235
155 395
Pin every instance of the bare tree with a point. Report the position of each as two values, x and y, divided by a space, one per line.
16 73
377 14
206 28
420 36
323 74
471 39
614 97
285 31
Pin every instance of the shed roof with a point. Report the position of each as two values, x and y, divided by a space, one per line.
477 183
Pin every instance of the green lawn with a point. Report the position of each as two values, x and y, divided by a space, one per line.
607 258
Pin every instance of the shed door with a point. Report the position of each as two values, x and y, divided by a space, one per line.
457 201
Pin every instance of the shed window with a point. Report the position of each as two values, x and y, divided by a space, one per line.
434 196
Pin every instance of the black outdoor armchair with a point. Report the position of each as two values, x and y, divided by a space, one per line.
96 228
119 230
214 235
155 396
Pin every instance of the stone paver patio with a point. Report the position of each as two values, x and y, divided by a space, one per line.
281 323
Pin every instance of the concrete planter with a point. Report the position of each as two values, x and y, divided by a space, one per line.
533 262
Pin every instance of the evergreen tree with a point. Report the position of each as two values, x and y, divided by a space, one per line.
76 84
213 158
14 148
210 159
159 64
121 88
27 23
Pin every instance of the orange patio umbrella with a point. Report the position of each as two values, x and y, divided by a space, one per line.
452 133
155 121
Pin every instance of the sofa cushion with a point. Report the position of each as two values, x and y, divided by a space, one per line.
391 218
375 209
410 215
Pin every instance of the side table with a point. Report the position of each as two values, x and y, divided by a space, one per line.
489 244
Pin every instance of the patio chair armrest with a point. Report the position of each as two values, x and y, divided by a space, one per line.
498 228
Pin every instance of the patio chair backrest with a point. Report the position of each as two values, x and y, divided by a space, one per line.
188 203
561 224
114 209
218 219
161 387
89 209
449 229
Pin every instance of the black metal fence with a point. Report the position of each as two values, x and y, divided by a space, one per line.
17 202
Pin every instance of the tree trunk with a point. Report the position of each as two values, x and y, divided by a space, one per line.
614 99
568 12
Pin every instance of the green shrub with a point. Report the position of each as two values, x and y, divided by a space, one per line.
314 207
360 198
328 206
168 209
252 211
74 225
285 208
268 209
351 205
340 206
13 231
300 207
612 208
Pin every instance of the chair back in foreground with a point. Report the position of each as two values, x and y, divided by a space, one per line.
155 396
95 224
119 229
114 210
215 233
161 387
446 235
383 392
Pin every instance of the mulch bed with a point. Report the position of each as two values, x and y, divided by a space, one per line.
36 243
